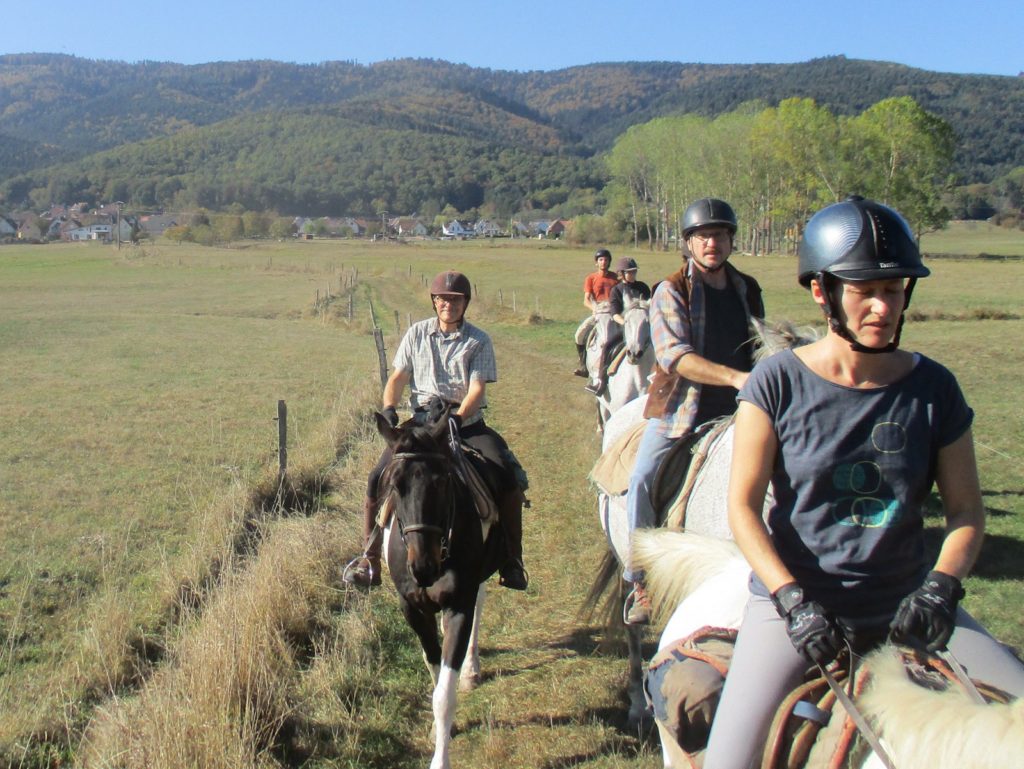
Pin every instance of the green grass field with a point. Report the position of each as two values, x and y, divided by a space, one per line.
139 395
969 238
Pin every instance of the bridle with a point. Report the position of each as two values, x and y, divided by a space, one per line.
444 532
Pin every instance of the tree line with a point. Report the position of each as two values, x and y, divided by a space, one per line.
777 165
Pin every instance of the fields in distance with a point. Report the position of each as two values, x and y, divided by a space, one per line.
139 397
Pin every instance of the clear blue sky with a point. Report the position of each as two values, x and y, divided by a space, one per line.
940 35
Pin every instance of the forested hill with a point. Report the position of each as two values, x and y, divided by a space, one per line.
541 125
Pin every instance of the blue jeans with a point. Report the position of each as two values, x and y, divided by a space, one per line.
640 514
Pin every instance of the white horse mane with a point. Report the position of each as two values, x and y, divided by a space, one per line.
676 563
925 729
771 338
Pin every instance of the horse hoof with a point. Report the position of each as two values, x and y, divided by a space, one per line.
469 683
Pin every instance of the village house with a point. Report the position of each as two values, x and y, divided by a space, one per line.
8 227
408 226
156 224
485 228
556 228
457 229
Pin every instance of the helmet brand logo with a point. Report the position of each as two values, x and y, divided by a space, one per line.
887 265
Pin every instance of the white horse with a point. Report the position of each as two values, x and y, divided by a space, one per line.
702 581
702 498
630 378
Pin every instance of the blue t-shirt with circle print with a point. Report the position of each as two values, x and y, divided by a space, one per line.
851 477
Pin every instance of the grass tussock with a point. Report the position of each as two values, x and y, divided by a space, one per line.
228 689
254 601
975 313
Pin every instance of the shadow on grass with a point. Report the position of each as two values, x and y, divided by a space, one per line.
1000 556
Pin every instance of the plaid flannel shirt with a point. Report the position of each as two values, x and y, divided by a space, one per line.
444 364
677 329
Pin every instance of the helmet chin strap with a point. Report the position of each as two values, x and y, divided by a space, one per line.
827 282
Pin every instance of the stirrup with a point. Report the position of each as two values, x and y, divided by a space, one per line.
361 572
637 609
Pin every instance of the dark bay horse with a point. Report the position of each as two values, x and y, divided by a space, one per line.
439 550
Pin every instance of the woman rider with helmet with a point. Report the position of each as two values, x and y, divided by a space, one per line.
448 362
851 431
627 290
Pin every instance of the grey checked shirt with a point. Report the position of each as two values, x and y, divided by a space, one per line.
444 364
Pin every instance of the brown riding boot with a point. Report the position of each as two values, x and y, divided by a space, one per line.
512 573
581 370
364 570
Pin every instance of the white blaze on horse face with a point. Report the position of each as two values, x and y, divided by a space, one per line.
445 695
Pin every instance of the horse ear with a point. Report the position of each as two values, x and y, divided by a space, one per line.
387 432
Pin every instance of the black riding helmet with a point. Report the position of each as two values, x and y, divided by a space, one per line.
858 240
603 252
708 212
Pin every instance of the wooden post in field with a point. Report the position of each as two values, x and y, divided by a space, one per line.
378 340
282 440
501 298
408 319
513 300
351 307
398 322
382 361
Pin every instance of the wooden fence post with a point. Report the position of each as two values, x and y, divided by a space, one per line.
282 440
382 361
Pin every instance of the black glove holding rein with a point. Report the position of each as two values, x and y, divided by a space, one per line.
812 632
927 617
391 414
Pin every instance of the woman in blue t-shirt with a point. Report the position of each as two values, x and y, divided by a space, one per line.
852 432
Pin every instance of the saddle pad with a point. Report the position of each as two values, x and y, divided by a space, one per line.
612 470
478 488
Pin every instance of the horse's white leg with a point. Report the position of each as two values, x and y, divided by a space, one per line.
469 678
444 700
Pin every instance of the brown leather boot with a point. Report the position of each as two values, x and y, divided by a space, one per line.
364 570
512 573
581 369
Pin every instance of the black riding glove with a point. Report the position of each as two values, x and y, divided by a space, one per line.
391 414
457 419
812 632
927 616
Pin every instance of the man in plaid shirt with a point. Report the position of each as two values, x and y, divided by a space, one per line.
700 327
448 362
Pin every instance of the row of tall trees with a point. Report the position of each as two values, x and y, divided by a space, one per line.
777 165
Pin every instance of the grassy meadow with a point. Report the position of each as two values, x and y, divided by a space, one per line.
163 603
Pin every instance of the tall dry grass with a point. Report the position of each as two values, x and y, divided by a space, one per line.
244 607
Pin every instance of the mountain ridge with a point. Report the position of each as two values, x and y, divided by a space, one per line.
55 107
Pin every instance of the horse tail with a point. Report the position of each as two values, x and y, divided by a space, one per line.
676 563
602 604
